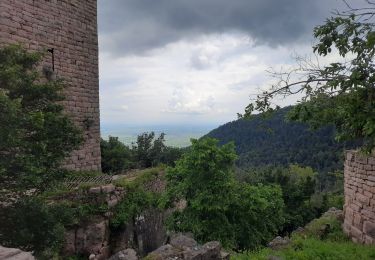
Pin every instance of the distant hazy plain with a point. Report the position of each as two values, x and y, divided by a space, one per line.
176 135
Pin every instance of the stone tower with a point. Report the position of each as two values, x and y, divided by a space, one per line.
66 30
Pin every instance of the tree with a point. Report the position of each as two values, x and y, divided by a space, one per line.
116 156
341 93
204 179
219 208
301 193
148 150
35 133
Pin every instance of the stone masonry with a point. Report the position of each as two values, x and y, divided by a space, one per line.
359 208
69 27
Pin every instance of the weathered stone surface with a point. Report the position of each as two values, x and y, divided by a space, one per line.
359 210
187 248
127 254
166 252
182 242
70 240
337 213
299 231
224 255
279 243
95 190
212 250
91 238
369 229
108 188
14 254
70 28
95 237
112 203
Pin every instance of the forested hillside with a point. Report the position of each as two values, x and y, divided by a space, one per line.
274 141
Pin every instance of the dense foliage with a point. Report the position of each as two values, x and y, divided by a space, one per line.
33 226
116 156
218 207
315 243
342 92
138 198
301 192
148 151
35 133
274 141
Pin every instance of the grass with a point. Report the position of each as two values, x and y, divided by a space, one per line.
314 249
316 244
139 178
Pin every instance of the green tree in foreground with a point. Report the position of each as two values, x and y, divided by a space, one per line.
341 93
35 133
116 156
218 207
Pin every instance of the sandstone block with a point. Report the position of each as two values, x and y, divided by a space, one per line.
363 199
369 240
369 229
108 188
182 242
356 233
15 254
95 190
127 254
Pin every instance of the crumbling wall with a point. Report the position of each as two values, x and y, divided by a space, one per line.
69 27
359 208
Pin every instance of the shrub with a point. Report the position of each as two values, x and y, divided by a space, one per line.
31 225
116 157
137 198
41 135
219 208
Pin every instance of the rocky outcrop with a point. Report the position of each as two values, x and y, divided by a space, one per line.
185 247
14 254
95 238
88 239
279 243
127 254
146 232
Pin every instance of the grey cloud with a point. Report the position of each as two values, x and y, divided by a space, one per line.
135 26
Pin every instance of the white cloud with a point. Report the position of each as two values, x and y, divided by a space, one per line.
205 80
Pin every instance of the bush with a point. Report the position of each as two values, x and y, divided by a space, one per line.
116 157
31 225
147 152
219 208
137 198
41 135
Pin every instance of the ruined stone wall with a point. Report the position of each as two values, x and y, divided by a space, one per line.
359 208
70 28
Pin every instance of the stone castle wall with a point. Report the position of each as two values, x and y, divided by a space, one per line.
359 208
70 28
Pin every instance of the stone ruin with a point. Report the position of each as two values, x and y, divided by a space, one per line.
359 208
66 31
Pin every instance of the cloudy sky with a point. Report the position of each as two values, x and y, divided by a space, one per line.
196 61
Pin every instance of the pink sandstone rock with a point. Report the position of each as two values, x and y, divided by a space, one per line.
359 188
